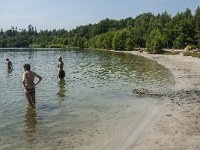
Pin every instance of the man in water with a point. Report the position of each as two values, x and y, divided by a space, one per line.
61 72
9 64
29 85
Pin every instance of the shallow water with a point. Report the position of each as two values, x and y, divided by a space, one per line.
92 104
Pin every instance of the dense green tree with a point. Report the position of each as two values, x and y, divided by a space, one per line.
155 42
3 41
122 40
137 37
197 26
107 41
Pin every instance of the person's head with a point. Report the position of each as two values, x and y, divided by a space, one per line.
27 67
59 58
7 59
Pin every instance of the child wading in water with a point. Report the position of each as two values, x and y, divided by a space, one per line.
9 64
61 72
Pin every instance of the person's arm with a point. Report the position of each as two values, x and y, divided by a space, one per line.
39 77
24 80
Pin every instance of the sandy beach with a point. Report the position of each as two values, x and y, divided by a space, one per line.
176 123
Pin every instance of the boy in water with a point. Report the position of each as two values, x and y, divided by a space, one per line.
9 64
61 72
29 85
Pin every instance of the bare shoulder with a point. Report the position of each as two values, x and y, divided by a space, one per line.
34 73
25 73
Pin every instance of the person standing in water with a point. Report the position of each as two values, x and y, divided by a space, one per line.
61 72
29 85
9 64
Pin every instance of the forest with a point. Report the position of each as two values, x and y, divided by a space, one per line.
146 30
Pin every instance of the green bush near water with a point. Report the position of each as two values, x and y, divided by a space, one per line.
56 46
193 54
155 42
34 46
187 53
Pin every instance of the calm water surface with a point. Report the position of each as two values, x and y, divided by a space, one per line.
93 103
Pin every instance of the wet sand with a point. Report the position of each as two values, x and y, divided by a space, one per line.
175 125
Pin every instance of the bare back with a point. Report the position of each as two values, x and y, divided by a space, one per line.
28 79
61 65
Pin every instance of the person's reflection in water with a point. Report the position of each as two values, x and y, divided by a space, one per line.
30 123
62 90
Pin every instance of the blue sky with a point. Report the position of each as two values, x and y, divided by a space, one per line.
68 14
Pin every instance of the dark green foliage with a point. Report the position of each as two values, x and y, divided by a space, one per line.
122 40
197 26
154 32
155 42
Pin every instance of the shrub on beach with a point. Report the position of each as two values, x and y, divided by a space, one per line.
187 53
122 40
196 54
187 48
155 42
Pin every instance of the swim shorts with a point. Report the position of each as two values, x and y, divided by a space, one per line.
61 74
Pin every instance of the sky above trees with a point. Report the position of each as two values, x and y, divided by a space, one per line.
68 14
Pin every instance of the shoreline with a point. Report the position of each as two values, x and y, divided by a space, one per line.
176 124
184 68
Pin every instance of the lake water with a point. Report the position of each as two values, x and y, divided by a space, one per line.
93 104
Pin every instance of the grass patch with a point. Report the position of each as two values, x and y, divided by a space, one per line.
193 54
196 54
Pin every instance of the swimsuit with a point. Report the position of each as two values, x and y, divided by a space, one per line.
61 74
30 89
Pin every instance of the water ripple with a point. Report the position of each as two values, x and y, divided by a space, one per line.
96 85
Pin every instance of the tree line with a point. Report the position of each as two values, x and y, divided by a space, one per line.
147 30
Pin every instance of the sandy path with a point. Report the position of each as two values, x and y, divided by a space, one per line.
177 124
